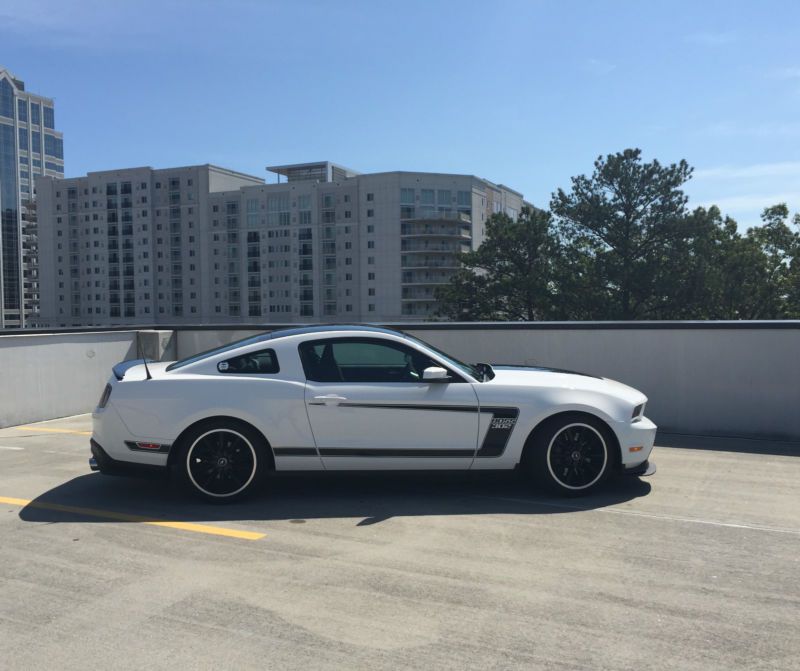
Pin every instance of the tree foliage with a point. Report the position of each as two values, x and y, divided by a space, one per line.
511 275
621 244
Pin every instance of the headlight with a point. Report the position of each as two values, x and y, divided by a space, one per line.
638 411
104 398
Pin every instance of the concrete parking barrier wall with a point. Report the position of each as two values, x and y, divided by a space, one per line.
49 375
704 378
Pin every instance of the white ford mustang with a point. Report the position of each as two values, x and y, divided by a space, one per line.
361 398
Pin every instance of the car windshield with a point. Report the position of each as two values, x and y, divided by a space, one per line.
219 350
455 363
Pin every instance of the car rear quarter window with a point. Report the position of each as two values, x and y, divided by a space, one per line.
262 362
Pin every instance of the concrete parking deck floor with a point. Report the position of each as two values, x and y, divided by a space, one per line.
694 568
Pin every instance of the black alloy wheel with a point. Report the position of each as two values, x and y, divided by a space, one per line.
221 461
577 456
570 454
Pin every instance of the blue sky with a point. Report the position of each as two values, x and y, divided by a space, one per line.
523 93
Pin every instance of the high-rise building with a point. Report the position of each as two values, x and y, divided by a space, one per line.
206 245
29 146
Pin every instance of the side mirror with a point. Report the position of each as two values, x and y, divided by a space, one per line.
435 374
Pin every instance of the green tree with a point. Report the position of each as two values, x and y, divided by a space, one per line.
625 218
780 247
511 276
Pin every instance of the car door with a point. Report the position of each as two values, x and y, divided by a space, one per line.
369 407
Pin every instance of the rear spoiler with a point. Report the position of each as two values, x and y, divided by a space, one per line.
123 367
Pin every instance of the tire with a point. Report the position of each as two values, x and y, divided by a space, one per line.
570 455
221 460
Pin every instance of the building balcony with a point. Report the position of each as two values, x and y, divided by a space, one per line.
440 215
423 230
440 247
410 262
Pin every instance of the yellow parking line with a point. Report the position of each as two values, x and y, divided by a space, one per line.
124 517
47 430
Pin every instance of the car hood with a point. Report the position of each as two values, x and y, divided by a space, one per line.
531 376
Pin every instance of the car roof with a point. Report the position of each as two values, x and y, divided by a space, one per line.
326 328
281 333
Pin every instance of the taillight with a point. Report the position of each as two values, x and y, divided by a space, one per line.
104 398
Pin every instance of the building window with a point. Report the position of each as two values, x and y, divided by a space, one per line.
370 244
35 118
427 197
370 276
407 196
370 228
22 110
445 197
464 199
370 213
370 197
49 118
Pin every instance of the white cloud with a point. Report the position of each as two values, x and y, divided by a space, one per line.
727 172
712 39
790 72
88 23
595 66
761 130
753 203
744 191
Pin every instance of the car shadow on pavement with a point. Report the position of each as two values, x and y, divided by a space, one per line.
367 498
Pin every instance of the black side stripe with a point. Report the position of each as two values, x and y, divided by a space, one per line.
294 452
411 452
494 444
412 406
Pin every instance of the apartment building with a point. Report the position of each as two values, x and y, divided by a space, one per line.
323 243
29 146
127 246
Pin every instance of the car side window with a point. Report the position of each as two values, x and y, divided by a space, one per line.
262 362
362 360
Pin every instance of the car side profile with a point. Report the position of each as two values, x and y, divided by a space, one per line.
361 398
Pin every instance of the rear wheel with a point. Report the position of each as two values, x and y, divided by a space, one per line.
571 454
221 461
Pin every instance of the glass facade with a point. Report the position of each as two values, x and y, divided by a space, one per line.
9 212
49 118
6 99
22 157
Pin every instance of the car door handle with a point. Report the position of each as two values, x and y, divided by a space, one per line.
329 399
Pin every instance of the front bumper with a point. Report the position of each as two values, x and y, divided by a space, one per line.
101 461
636 442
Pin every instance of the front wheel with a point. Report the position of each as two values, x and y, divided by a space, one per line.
571 454
221 461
